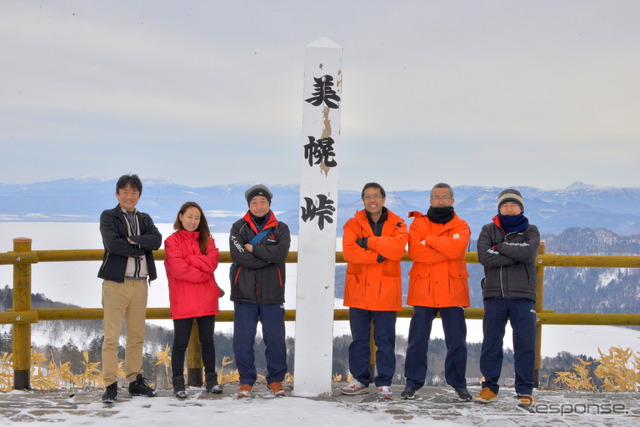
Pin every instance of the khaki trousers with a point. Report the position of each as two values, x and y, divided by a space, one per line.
123 302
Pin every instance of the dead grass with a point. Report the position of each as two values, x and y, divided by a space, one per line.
618 370
51 374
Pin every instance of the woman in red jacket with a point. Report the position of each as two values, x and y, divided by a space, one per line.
191 258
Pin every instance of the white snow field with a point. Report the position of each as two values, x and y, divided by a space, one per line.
438 407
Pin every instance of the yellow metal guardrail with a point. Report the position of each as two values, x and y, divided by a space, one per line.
22 315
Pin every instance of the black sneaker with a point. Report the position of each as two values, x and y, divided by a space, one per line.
110 393
408 393
463 394
139 387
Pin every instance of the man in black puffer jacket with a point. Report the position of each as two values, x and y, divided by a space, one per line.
507 248
259 246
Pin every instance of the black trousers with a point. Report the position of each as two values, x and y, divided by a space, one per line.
182 333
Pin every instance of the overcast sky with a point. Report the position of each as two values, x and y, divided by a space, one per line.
500 93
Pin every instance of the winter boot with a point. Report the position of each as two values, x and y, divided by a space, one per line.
178 387
139 387
244 391
110 393
277 389
211 383
486 396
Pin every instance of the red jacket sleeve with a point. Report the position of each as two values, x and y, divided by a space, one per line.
176 263
209 262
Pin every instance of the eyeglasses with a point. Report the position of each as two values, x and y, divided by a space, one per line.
372 196
440 199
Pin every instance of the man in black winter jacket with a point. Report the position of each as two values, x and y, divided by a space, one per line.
507 248
259 246
129 237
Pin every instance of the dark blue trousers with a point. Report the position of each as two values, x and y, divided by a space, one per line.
384 335
245 323
455 335
182 333
521 313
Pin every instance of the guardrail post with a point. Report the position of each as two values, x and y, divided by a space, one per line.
194 358
21 302
539 308
372 356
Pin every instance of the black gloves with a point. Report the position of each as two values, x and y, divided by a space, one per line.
363 242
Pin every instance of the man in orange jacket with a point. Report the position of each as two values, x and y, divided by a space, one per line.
373 243
438 283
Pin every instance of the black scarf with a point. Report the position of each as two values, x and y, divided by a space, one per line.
513 223
260 222
440 215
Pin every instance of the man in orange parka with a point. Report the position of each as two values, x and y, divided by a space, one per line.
438 283
373 243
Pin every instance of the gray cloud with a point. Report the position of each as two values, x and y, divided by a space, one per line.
541 94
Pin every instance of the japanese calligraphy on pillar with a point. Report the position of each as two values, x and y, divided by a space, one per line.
319 151
324 210
319 160
324 93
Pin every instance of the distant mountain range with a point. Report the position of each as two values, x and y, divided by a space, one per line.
81 199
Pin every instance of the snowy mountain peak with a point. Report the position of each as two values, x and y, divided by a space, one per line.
90 178
577 185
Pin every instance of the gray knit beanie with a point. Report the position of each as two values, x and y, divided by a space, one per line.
510 195
258 190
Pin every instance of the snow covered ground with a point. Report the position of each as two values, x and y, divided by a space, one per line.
438 407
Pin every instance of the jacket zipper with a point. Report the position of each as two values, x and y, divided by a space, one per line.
501 280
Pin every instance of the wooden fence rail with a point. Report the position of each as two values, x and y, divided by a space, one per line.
22 315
